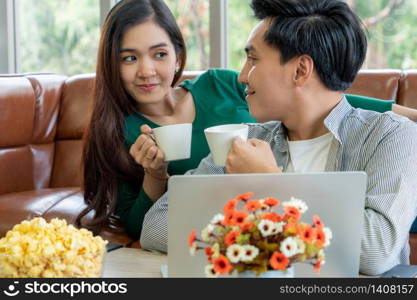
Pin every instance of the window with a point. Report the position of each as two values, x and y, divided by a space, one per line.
392 32
241 22
193 19
62 36
390 23
58 36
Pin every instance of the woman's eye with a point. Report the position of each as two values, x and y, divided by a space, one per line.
161 54
130 58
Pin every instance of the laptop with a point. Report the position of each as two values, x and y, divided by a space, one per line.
337 197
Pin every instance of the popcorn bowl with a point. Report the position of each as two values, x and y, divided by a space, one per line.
37 249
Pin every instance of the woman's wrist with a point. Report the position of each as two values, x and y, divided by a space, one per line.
160 176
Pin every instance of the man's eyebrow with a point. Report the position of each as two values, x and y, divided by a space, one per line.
150 48
250 48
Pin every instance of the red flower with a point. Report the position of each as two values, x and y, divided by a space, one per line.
271 201
245 196
228 217
191 238
230 205
317 222
320 237
307 233
317 266
231 237
239 218
222 265
252 205
279 261
291 227
272 216
247 226
209 252
292 212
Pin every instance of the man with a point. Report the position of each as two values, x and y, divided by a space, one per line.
300 58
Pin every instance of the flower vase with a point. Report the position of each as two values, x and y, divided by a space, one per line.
289 273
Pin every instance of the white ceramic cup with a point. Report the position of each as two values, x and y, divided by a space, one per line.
174 140
220 138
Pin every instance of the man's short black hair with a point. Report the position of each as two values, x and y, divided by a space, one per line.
326 30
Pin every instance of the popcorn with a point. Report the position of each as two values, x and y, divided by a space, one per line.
37 248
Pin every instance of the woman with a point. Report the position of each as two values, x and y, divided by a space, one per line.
141 58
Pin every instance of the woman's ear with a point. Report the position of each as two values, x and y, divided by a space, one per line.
304 70
177 65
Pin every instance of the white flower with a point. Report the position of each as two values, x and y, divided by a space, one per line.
193 249
263 205
217 219
210 272
277 227
328 235
234 253
298 203
250 218
289 247
301 247
206 233
266 227
249 253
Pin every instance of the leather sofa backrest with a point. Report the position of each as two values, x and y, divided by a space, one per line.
76 105
407 94
382 84
28 120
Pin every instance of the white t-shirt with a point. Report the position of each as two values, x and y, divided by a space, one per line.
309 155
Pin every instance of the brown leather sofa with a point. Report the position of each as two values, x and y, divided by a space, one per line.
42 121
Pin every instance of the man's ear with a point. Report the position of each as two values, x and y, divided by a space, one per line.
304 70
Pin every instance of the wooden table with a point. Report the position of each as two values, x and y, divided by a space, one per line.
131 262
137 263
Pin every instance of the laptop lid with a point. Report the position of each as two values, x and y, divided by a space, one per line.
337 197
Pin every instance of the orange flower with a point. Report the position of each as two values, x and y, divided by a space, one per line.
230 205
239 218
271 201
228 217
320 237
317 222
252 205
317 266
245 196
307 233
272 216
247 226
279 261
191 238
291 227
292 212
222 265
231 237
209 252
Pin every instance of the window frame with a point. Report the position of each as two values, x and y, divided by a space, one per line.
9 24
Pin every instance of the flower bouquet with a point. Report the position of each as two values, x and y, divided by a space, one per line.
258 239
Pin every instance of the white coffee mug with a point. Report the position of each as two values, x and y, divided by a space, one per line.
174 140
220 138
